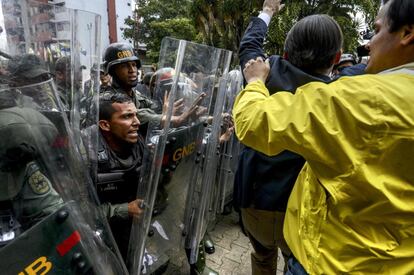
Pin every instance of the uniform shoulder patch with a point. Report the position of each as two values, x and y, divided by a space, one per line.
39 183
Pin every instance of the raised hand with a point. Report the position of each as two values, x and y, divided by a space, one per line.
272 6
256 69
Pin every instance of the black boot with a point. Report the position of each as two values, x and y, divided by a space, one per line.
208 244
200 268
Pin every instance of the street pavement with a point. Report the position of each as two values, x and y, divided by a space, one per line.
232 255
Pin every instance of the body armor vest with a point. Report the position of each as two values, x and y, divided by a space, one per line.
116 185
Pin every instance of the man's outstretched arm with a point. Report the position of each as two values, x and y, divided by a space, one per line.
251 45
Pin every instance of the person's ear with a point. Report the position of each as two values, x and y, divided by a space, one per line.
407 35
59 75
104 125
337 57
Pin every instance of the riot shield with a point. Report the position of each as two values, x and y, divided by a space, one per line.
41 165
66 43
189 105
218 142
229 151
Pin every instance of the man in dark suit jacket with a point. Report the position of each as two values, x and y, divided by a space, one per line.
263 184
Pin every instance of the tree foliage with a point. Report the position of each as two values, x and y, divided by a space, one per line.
157 19
221 23
344 11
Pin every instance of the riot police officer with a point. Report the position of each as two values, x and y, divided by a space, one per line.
105 78
119 158
69 86
35 196
62 79
28 69
26 193
122 64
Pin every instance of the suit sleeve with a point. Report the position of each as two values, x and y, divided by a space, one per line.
251 45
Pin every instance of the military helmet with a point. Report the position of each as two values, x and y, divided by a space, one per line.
27 66
24 133
117 53
163 78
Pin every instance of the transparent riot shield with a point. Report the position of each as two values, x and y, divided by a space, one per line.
218 142
229 150
188 105
84 73
66 44
42 176
47 192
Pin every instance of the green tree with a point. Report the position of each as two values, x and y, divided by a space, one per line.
344 11
221 23
157 19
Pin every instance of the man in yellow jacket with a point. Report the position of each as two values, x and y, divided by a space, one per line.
352 207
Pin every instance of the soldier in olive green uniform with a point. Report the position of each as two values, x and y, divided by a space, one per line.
120 152
26 194
25 70
122 64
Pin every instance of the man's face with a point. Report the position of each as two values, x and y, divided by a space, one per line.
384 46
105 79
64 79
127 73
124 123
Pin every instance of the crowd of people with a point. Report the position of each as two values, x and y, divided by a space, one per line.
346 208
324 172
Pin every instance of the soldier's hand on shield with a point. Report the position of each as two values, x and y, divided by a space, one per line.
256 69
227 134
195 109
201 110
272 6
227 119
193 112
227 127
177 106
135 208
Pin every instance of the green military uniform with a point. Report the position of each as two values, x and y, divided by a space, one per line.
36 199
120 189
93 157
25 190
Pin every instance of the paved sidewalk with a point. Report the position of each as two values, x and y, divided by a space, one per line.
232 255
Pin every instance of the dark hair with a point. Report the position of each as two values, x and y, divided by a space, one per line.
399 13
105 104
63 64
313 42
147 78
